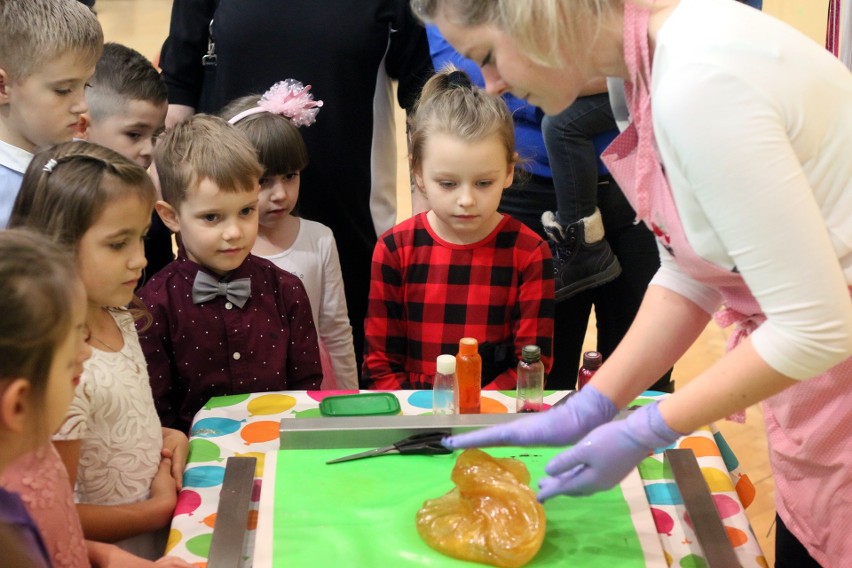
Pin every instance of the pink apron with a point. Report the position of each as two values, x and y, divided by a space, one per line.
809 426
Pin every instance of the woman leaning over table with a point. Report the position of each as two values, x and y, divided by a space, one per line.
737 159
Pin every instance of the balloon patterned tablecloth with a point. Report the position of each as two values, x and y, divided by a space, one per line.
248 424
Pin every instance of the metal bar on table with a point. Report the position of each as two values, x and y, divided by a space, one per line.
375 431
229 533
709 531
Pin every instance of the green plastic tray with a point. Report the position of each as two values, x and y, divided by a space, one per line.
364 404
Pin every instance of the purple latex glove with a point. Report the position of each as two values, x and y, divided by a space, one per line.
605 456
559 426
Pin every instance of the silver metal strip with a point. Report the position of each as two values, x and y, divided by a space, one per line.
709 530
226 545
375 431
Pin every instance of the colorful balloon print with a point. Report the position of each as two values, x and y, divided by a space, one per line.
651 469
258 469
187 502
309 413
215 427
175 537
201 450
745 490
700 446
224 401
731 462
319 395
663 494
717 480
270 404
421 399
663 521
491 406
200 545
736 536
210 520
726 506
692 561
255 490
258 432
204 476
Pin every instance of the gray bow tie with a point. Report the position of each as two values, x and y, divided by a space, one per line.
205 288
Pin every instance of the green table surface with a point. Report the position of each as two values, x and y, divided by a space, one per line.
362 513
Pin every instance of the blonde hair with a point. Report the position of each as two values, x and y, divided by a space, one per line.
451 104
205 147
543 29
34 32
36 277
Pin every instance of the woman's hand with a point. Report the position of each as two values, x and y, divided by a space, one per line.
559 426
605 456
176 447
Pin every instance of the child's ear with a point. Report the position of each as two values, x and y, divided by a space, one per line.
14 404
510 173
4 84
169 216
416 176
82 129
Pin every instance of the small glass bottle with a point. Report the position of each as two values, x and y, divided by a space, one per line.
445 391
469 375
591 363
530 380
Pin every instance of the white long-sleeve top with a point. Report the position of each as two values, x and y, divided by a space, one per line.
313 258
756 139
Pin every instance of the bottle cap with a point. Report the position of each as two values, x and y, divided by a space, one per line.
531 353
446 364
468 346
592 360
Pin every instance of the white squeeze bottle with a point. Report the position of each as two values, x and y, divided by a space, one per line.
445 392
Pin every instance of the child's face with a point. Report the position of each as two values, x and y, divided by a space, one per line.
217 228
111 254
132 132
463 182
45 107
67 362
278 198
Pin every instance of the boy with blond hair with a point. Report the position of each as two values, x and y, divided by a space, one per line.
48 51
128 100
224 321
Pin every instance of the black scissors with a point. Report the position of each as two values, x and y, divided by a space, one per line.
427 444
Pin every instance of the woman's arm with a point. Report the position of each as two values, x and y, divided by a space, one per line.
665 326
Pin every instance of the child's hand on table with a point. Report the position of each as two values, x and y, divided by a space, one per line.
176 447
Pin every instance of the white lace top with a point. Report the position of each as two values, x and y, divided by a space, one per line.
113 416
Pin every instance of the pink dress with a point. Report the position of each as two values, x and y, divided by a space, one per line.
809 425
40 478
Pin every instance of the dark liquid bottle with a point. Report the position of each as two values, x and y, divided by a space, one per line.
591 363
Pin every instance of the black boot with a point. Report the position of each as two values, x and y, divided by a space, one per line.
582 258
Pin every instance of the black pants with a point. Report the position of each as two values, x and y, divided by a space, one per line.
615 303
789 552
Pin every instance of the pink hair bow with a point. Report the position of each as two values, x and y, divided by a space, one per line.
288 98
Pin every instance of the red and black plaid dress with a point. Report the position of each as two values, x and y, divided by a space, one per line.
426 294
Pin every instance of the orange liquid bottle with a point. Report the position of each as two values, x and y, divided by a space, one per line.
469 375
